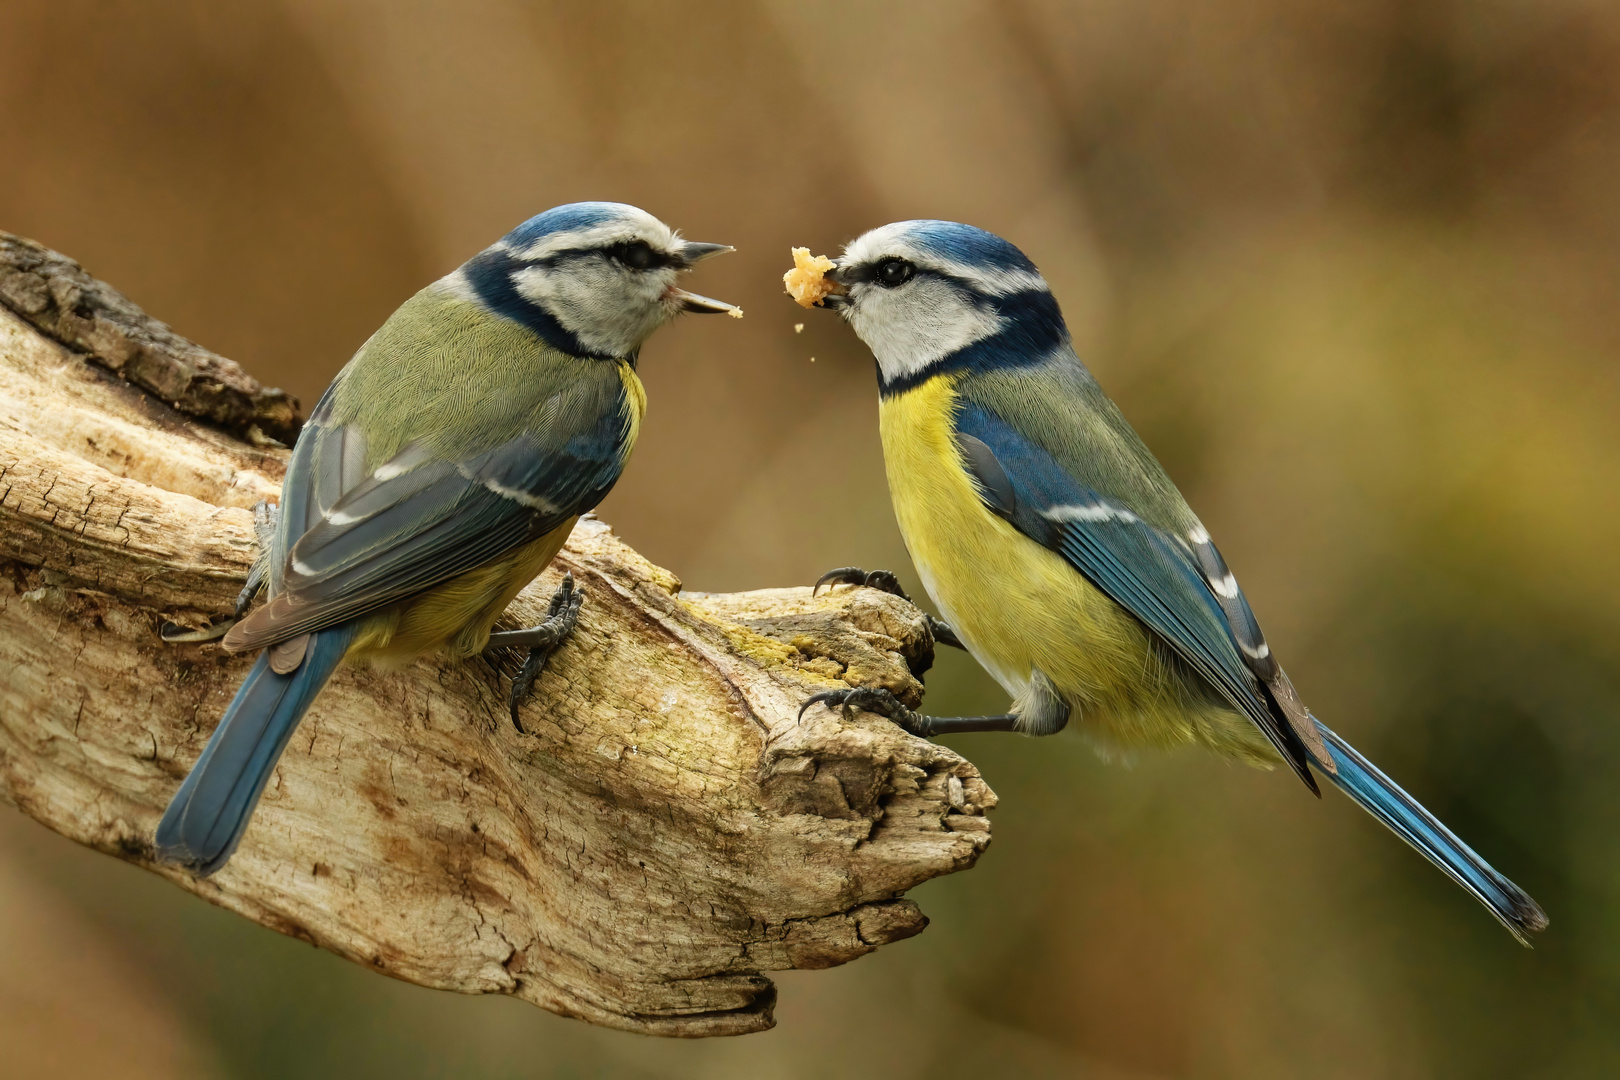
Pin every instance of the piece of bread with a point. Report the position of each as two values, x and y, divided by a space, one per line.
807 282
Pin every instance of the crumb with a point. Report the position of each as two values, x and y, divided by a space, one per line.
812 359
807 282
735 313
798 328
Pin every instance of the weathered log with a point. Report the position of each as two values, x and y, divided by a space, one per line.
668 829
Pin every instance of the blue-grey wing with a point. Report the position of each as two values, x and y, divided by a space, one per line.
1153 575
353 541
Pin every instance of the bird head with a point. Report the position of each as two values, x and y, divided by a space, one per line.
592 278
928 296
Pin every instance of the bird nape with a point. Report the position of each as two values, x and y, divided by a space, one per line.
1060 553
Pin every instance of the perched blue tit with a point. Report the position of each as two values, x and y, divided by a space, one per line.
437 476
1058 550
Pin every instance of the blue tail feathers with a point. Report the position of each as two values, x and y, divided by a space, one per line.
1405 816
208 815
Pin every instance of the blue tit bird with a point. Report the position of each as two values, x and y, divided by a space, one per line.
1058 550
437 476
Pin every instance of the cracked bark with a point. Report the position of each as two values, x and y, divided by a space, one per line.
666 833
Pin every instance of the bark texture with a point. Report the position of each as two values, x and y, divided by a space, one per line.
666 833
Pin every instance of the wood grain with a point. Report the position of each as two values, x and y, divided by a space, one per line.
666 833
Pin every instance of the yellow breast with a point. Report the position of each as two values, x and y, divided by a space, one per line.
1018 606
459 614
635 405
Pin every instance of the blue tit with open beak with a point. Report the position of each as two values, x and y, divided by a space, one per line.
437 476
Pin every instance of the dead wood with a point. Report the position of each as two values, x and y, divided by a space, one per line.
667 831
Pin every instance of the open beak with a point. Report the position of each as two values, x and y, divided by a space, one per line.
692 253
690 301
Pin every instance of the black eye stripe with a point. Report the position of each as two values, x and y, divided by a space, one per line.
890 272
637 255
628 253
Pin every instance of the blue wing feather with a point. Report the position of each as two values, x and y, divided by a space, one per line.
1142 569
387 538
1164 583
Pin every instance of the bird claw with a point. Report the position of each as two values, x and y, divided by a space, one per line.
886 581
943 632
872 699
562 615
266 517
881 580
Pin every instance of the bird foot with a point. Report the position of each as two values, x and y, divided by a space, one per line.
881 580
872 699
875 699
266 517
886 581
562 615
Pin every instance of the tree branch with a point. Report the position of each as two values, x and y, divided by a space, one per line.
666 832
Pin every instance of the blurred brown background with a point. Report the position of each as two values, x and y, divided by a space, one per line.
1351 266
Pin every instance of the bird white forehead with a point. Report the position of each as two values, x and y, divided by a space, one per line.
632 223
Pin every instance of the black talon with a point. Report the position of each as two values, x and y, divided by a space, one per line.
944 633
886 581
562 615
881 580
844 575
523 683
832 699
875 699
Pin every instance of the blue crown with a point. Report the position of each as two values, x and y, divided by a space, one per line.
967 245
570 216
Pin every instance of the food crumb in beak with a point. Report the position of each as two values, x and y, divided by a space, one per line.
807 282
735 313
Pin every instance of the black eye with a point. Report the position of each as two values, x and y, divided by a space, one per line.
892 273
636 254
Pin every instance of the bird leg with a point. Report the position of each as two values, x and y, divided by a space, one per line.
885 581
880 701
562 615
266 517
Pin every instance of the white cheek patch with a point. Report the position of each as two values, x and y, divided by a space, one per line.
609 309
916 325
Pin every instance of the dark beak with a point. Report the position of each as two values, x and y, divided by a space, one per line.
693 252
693 302
839 297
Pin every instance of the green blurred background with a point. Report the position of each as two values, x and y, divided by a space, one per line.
1351 266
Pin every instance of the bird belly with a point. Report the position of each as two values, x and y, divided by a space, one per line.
458 614
1018 606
